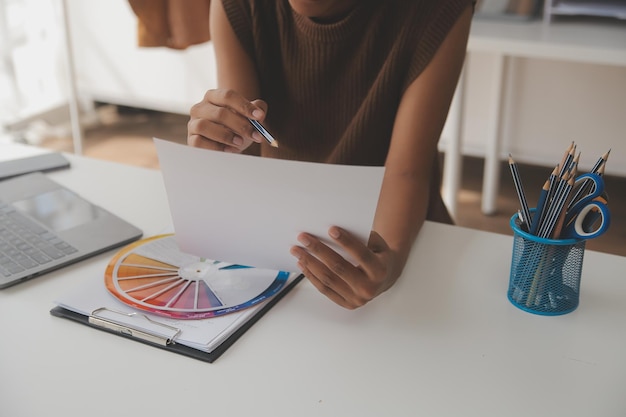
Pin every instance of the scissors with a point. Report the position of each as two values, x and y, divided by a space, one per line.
589 215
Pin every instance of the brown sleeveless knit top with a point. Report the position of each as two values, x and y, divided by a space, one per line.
333 90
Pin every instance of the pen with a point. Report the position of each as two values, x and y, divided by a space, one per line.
268 137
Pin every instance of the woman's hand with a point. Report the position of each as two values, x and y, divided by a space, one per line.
220 121
347 285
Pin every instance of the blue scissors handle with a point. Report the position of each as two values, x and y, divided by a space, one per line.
588 186
591 186
588 208
582 225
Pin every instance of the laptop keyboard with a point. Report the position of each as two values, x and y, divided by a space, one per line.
24 244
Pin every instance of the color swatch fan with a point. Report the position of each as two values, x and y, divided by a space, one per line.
153 275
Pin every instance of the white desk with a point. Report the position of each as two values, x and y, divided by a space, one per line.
583 42
444 341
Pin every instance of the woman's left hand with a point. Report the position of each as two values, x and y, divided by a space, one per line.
348 285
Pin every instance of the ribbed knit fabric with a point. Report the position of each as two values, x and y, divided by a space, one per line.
333 90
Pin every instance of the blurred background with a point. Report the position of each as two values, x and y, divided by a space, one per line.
92 77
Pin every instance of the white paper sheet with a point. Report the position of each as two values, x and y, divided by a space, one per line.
249 210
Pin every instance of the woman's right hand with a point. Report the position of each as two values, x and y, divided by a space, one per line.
220 121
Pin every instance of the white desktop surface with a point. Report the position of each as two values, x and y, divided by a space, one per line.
444 341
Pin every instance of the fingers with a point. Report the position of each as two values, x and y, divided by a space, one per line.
234 101
204 133
365 256
261 105
327 265
347 285
220 121
324 288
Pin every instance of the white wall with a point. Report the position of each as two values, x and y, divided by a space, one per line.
554 102
32 71
111 67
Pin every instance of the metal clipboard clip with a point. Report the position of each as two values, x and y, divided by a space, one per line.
96 318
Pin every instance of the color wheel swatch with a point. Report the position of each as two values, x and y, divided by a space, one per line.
153 275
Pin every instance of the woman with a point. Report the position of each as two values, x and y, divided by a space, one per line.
364 82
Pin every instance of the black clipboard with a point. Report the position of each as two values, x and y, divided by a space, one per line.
210 357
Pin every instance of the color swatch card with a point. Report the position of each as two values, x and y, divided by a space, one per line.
154 276
153 289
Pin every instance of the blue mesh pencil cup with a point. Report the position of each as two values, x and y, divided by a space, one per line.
545 273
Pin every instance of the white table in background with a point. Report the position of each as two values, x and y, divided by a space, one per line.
577 42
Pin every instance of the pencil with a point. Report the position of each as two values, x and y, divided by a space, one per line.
583 189
539 282
565 160
551 206
556 232
268 137
574 164
520 192
559 201
553 182
541 205
556 188
544 254
601 161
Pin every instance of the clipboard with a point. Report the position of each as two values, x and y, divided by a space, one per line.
168 342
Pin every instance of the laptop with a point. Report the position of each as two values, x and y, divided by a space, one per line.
44 162
45 226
